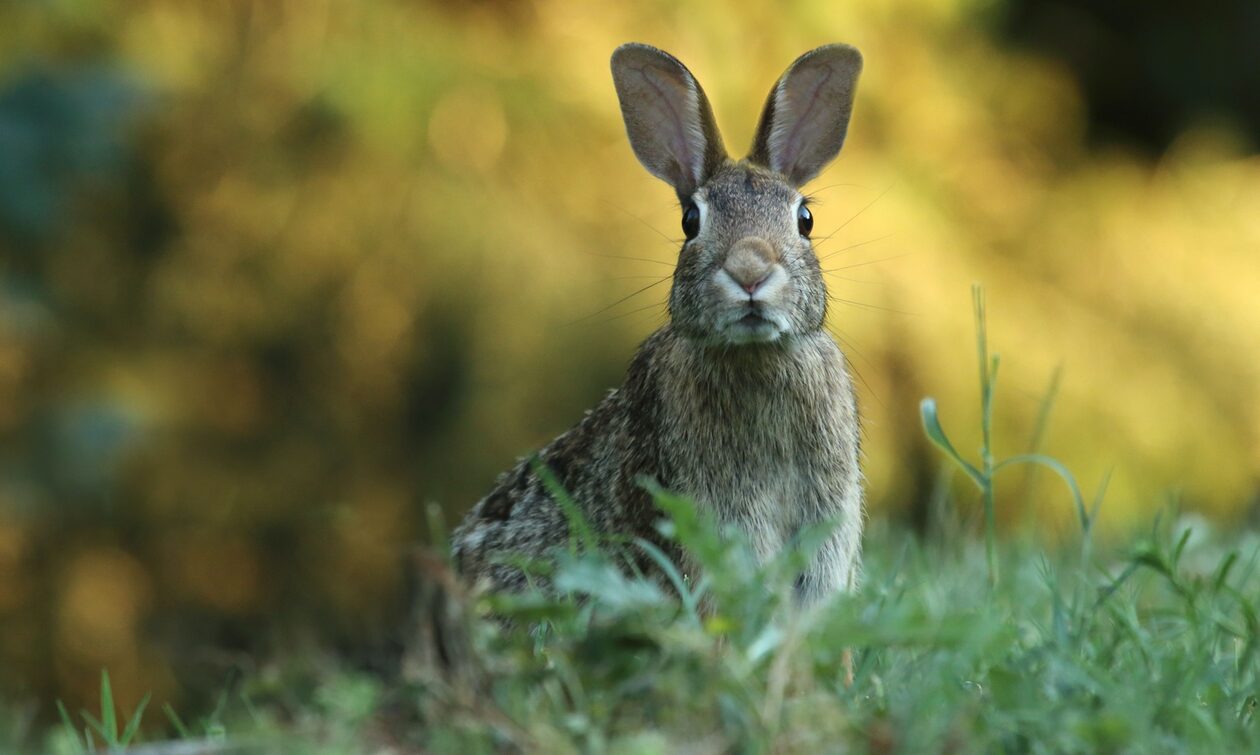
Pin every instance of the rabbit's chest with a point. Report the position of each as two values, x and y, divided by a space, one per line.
766 503
765 463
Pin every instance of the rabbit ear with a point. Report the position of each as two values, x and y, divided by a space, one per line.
807 114
668 118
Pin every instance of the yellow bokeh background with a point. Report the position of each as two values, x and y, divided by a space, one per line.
397 247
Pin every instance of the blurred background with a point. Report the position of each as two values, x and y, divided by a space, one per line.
274 275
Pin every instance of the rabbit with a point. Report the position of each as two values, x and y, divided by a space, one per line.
743 401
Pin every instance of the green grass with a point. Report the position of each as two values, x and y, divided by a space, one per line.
972 643
105 727
1151 647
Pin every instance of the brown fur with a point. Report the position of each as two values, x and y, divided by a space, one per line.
743 402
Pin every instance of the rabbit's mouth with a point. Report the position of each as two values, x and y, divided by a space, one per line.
755 325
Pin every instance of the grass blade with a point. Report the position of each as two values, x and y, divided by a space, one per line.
70 727
932 426
982 343
1040 425
133 724
690 601
436 521
578 526
1057 467
108 718
176 722
93 723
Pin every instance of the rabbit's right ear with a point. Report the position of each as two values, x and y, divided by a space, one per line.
668 118
807 114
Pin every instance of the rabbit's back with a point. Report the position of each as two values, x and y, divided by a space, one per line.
598 463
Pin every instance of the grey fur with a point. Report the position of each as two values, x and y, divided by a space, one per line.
742 402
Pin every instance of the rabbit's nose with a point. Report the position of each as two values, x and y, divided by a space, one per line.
750 262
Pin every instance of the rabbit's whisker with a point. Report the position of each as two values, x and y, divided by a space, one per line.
864 305
632 312
849 247
862 264
857 214
856 280
632 259
813 195
653 228
851 347
622 300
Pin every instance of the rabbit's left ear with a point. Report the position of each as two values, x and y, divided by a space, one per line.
807 114
668 118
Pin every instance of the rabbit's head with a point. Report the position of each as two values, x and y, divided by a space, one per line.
747 272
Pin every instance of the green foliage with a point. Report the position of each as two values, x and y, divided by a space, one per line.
1149 647
983 475
56 130
105 727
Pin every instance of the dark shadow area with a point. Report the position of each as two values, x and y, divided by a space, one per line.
1149 70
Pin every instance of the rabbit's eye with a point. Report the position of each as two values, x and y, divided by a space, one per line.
691 220
804 221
